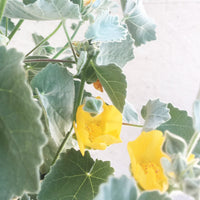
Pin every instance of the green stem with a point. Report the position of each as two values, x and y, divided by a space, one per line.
135 125
72 37
193 143
15 29
6 26
2 7
45 39
69 41
47 60
61 147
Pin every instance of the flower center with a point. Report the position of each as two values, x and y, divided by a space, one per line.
94 130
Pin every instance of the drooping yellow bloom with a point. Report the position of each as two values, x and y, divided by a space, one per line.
87 2
145 154
97 132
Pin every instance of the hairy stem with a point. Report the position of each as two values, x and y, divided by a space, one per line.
47 60
72 37
45 39
69 41
15 29
135 125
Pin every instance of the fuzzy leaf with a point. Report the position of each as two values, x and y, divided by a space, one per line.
114 82
118 189
75 177
55 88
154 195
106 28
118 53
129 114
21 133
154 113
81 61
42 10
140 26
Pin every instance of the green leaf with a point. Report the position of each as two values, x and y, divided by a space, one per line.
129 114
174 144
93 106
196 115
114 82
81 61
180 123
45 49
140 26
118 189
55 88
118 53
106 28
42 10
21 133
10 25
26 2
154 114
74 177
154 195
25 197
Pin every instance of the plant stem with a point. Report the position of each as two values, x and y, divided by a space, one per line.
72 37
15 29
6 27
193 143
69 41
45 39
61 147
2 7
135 125
47 60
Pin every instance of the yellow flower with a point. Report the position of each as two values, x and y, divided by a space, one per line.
87 2
97 132
145 154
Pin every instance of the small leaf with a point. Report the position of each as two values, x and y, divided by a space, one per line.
196 115
174 144
55 88
154 195
114 82
10 25
42 10
106 28
118 189
179 164
74 177
154 114
81 61
140 26
118 53
93 106
21 132
129 114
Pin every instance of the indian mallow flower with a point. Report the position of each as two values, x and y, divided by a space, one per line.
145 154
100 131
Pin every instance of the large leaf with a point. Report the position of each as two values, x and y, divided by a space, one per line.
106 28
118 189
153 195
154 113
21 133
114 82
140 26
42 10
74 177
118 53
55 87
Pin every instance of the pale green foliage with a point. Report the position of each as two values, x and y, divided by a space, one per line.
154 195
113 52
106 28
154 114
74 177
109 77
140 26
21 133
42 10
130 115
81 61
118 189
10 25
